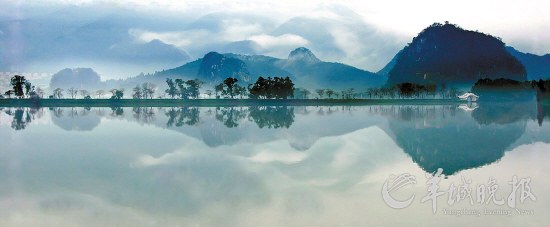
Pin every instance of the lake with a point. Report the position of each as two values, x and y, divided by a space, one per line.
276 166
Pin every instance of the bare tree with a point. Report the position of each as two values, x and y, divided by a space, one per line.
148 90
40 92
72 92
320 92
100 93
84 93
58 93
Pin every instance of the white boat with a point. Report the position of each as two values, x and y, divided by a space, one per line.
468 96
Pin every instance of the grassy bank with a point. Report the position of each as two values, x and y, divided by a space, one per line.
216 102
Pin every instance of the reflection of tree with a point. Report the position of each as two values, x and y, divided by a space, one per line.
230 116
144 114
182 116
18 123
23 116
271 116
117 111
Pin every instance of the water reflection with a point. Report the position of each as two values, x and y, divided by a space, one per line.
240 166
444 136
21 117
456 137
77 119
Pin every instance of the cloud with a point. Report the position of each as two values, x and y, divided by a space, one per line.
268 41
178 39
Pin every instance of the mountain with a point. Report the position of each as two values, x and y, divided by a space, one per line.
302 66
538 67
446 53
386 70
79 78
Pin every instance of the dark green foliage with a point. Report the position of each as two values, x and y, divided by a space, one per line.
187 89
8 93
449 54
277 87
117 93
183 116
18 83
230 116
172 90
272 117
230 84
504 89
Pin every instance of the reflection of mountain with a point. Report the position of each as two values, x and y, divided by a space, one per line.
77 119
445 137
434 136
505 113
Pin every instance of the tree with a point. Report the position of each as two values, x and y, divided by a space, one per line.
330 92
189 89
305 93
28 88
72 92
320 92
117 93
148 90
193 88
230 84
172 90
84 93
40 92
137 92
240 91
276 87
100 93
208 93
218 90
18 82
9 93
58 93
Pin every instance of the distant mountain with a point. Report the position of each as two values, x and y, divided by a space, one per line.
79 78
538 67
446 53
302 66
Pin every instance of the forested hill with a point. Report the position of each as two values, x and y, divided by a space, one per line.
446 53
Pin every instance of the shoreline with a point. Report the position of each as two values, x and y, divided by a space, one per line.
218 102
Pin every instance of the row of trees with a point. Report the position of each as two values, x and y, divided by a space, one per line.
85 94
183 89
22 88
144 91
403 90
277 87
263 88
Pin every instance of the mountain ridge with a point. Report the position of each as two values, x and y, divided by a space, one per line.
302 66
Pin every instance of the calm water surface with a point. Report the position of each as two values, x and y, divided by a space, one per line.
268 166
